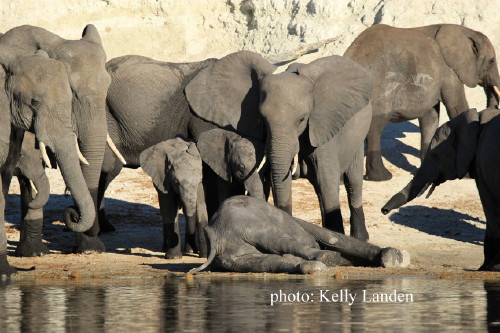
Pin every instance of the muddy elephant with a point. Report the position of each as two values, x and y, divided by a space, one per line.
84 61
417 69
320 111
38 98
465 144
249 235
238 165
175 167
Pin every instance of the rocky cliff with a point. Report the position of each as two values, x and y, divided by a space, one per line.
191 30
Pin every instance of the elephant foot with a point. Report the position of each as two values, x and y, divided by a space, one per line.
173 253
6 270
391 257
31 247
309 267
88 244
378 175
361 233
329 258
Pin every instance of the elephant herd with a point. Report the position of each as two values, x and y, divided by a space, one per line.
209 132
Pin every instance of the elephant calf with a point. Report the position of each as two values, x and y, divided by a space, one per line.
465 144
249 235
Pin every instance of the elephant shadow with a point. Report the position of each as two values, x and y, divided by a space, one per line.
393 150
138 226
446 223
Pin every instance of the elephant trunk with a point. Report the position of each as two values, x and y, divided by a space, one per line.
253 184
64 149
414 188
280 158
492 96
42 188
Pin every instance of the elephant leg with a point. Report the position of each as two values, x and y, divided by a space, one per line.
201 222
492 236
324 175
353 182
30 242
454 99
169 207
428 125
270 263
6 269
375 169
106 178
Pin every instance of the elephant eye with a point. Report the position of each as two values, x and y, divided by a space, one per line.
492 61
35 102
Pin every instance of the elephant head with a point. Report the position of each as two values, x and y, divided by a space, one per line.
450 154
317 99
234 158
472 56
39 97
175 166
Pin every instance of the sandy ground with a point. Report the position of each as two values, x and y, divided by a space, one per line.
443 234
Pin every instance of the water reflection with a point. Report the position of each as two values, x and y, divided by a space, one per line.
241 304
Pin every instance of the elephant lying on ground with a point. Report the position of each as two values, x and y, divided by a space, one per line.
38 98
249 235
416 69
465 144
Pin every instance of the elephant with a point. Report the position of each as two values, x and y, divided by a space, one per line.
320 111
38 98
249 235
175 167
238 165
467 144
84 61
418 68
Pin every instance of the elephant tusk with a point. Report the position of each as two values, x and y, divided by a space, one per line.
433 187
295 163
497 91
113 148
79 152
45 157
33 187
422 191
262 163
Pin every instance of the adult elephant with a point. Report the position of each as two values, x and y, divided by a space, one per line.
84 61
38 98
416 69
465 144
320 111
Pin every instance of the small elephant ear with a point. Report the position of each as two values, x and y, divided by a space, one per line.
342 87
90 34
226 93
467 138
460 48
213 148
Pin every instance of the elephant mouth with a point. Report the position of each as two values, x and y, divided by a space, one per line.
432 186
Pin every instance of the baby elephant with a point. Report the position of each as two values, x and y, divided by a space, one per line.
176 170
249 235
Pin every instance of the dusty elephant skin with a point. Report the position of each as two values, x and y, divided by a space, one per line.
416 69
38 97
84 61
249 235
466 144
307 110
176 170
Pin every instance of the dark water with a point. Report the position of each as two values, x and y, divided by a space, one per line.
236 304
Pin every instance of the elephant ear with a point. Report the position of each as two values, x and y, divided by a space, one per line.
341 88
226 93
460 48
213 148
155 159
90 34
467 138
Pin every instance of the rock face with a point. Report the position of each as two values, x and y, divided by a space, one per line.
192 30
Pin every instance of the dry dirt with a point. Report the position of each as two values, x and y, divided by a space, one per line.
443 234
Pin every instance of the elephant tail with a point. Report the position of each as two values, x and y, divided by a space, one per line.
211 240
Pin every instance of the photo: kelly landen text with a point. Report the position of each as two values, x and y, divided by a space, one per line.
340 296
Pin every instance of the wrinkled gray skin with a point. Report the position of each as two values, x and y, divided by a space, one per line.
238 163
319 110
38 99
175 167
249 235
84 61
466 144
416 69
35 192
